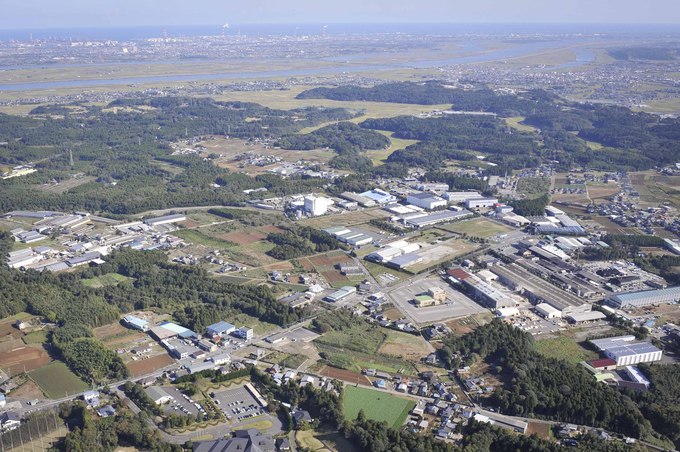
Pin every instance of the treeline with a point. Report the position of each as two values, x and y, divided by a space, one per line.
537 386
457 182
298 241
530 207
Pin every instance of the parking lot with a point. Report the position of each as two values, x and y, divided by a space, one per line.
182 404
237 404
456 305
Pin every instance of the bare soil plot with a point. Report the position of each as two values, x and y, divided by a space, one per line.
243 237
270 229
29 390
149 365
24 359
345 375
334 277
539 428
329 260
189 223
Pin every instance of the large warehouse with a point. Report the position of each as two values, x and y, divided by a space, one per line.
645 298
625 351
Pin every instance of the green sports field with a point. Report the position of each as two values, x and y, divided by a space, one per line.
377 405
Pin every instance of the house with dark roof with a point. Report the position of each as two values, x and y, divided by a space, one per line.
300 416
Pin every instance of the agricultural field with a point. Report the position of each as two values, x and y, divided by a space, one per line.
477 227
35 337
377 405
656 189
516 123
148 365
345 218
109 279
23 358
57 381
564 348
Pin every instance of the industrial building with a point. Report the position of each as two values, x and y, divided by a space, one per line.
581 317
363 201
481 290
166 219
136 323
378 196
538 290
548 312
644 298
476 203
424 220
219 329
426 201
404 261
341 294
626 351
316 205
349 236
392 250
244 333
456 197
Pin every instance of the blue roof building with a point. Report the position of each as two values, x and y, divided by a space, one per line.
220 329
136 323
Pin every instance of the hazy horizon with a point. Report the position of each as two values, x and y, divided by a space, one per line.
130 13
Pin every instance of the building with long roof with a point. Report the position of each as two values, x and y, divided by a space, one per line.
644 298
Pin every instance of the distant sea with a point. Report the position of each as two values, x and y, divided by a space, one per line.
131 33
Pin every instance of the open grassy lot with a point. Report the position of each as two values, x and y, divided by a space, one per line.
404 345
355 361
109 279
516 123
35 337
199 238
564 348
378 157
57 381
323 441
477 227
377 405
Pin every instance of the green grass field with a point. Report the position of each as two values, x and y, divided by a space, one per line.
377 405
564 348
199 238
36 337
57 381
110 279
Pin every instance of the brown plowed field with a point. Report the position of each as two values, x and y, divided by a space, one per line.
24 359
329 261
270 228
334 277
243 237
149 365
345 375
190 223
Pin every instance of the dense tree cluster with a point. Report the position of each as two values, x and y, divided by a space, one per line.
530 206
300 241
87 433
661 404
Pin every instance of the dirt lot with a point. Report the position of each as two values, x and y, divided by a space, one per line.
24 359
188 223
29 390
328 260
149 365
334 277
7 330
271 228
540 429
243 237
344 375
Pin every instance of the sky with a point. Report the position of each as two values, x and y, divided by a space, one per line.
18 14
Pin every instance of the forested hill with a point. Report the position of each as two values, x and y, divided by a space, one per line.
631 140
536 386
126 143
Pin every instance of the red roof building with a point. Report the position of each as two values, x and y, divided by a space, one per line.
604 364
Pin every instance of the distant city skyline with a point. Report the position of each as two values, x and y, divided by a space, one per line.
122 13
